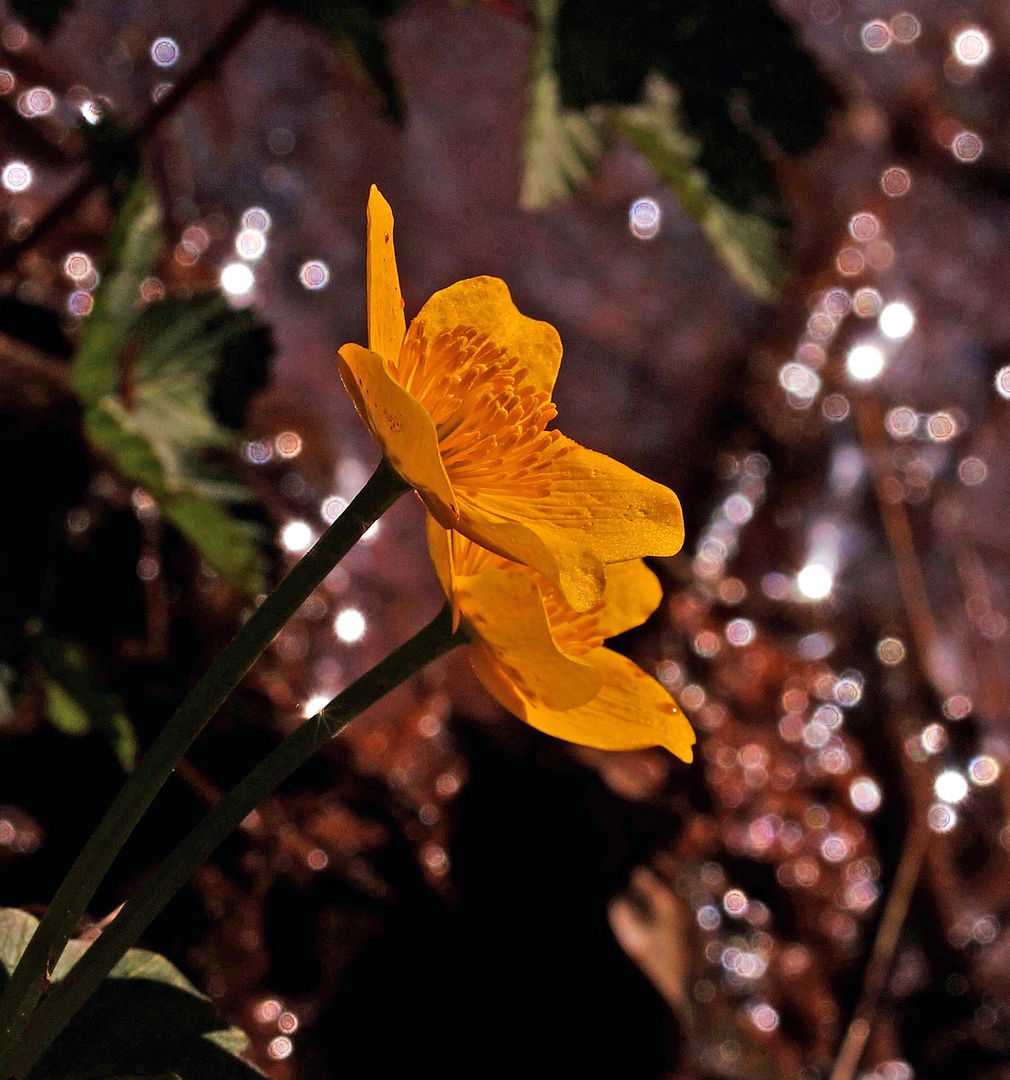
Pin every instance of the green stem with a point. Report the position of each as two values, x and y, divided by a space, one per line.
31 977
84 978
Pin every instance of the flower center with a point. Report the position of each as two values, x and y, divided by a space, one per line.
489 416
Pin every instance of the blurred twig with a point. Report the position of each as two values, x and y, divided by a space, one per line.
24 360
230 35
870 423
925 636
899 898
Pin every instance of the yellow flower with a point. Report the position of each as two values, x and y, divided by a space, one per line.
460 403
546 662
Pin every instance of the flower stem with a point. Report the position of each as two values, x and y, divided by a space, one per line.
31 977
67 997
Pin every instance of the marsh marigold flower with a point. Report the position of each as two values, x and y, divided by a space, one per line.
546 662
460 404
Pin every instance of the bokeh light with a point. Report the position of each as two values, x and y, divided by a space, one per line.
645 218
237 279
350 626
972 47
16 176
864 362
896 320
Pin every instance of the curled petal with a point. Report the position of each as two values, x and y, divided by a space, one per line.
631 711
485 304
514 654
593 511
632 594
386 324
400 425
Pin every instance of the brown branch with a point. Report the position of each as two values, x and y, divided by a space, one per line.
870 423
230 35
27 361
925 636
899 898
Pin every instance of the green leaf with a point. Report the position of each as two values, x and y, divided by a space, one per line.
146 1019
64 712
748 244
744 88
16 929
132 251
76 701
154 380
562 145
227 544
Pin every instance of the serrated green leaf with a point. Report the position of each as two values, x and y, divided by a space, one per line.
149 378
562 145
146 1019
747 244
227 544
133 248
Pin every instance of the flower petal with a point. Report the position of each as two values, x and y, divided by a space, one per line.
595 511
514 654
632 594
631 711
440 550
400 425
485 304
386 324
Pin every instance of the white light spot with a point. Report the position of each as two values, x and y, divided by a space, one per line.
764 1017
865 794
38 101
972 47
165 52
967 146
933 738
876 36
256 218
815 581
799 380
314 705
984 770
314 275
950 786
237 279
331 508
644 218
91 112
250 244
296 536
941 818
1003 382
349 626
17 176
740 632
896 320
865 362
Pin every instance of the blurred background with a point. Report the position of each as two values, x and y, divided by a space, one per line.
771 236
